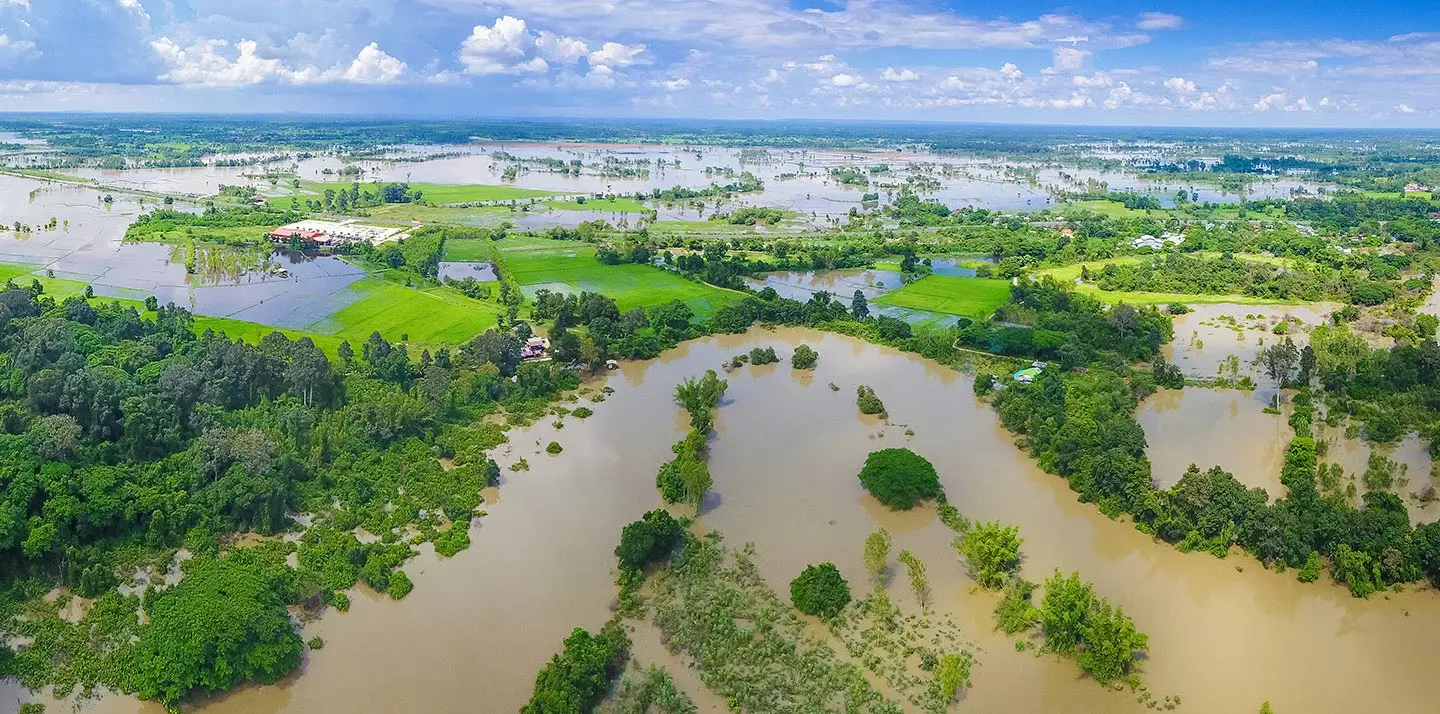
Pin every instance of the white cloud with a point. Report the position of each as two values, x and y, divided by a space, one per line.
1256 65
1069 59
561 49
903 75
1011 71
1159 21
1281 101
614 54
505 48
1099 79
675 85
1405 109
17 3
374 66
1180 84
16 49
212 63
845 80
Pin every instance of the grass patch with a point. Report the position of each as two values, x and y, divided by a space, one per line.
1110 209
570 266
470 251
604 205
698 227
427 315
968 297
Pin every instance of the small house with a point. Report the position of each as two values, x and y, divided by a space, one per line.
534 348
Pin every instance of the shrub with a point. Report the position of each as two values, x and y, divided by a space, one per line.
316 643
765 356
804 357
899 478
582 413
400 585
1178 308
867 401
554 447
820 590
648 540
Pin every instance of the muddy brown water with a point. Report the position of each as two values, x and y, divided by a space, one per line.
1225 635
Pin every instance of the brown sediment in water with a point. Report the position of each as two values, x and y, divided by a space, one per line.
1225 635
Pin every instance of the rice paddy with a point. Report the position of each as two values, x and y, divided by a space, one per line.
568 266
967 297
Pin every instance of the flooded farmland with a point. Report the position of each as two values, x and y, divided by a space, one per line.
1225 634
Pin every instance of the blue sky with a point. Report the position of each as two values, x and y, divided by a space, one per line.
1315 63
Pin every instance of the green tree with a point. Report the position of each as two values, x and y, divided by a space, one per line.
899 478
1112 644
648 540
952 673
858 307
577 678
992 551
805 357
1063 610
877 555
820 590
919 582
221 625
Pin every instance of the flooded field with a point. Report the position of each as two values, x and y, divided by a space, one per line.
1208 337
1225 634
816 184
87 245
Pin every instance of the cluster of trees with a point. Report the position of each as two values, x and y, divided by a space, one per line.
126 436
1080 426
1046 319
686 478
1226 275
868 402
746 182
153 226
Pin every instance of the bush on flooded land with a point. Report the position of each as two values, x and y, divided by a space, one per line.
648 540
820 590
805 357
577 678
900 478
869 403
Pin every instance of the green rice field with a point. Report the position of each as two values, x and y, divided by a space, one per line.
397 312
567 266
968 297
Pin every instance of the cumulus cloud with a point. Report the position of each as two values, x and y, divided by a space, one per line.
507 47
1180 84
845 80
1281 101
218 63
614 54
1260 65
675 85
903 75
1159 21
1011 71
1405 109
374 66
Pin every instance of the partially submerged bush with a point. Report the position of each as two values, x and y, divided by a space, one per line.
820 590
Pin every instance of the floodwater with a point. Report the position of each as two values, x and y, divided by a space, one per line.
1225 634
795 179
1207 336
483 272
841 284
1210 427
87 245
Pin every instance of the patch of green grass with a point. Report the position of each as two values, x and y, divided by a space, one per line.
1104 208
469 251
435 193
698 227
432 315
234 235
968 297
604 205
568 266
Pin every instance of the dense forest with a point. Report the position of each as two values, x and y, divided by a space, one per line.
129 439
